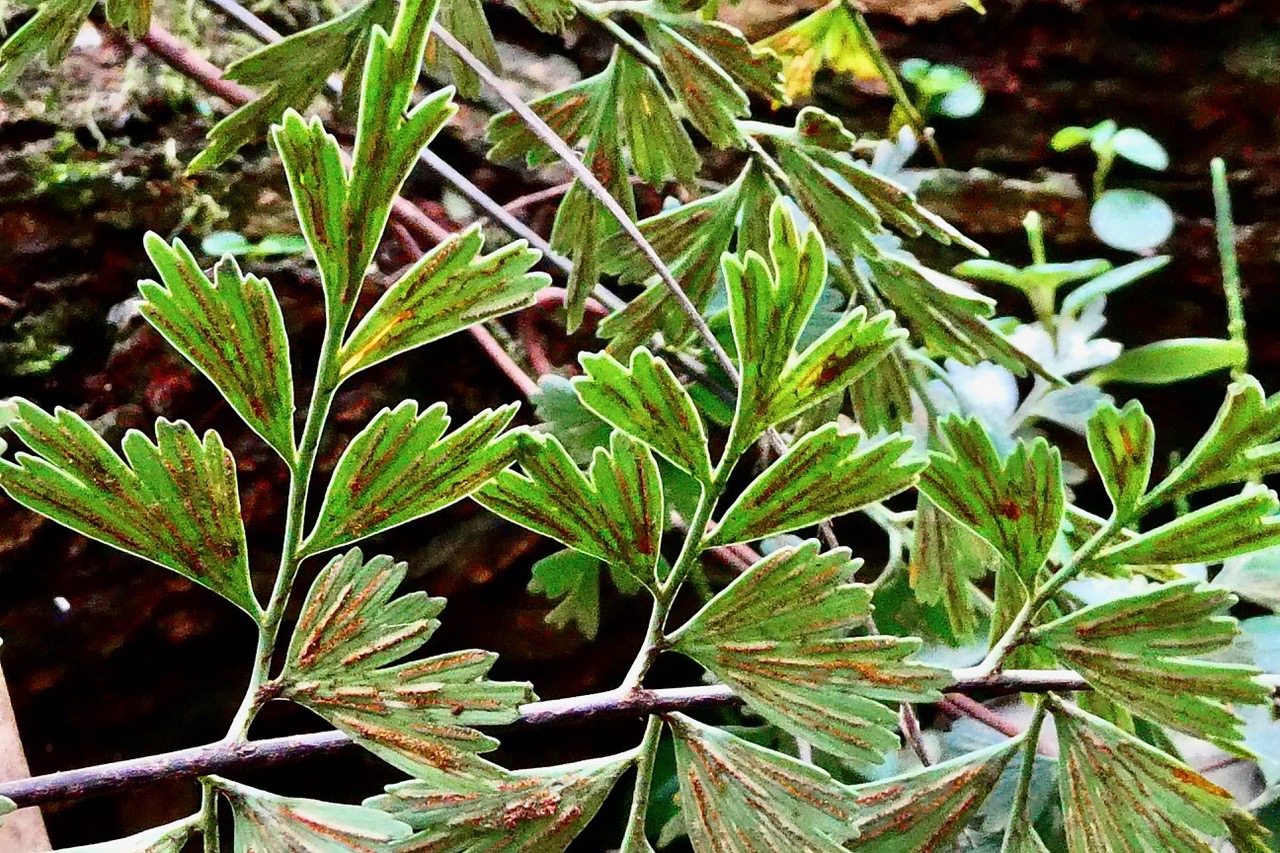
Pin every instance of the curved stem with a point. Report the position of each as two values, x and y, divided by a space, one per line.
292 552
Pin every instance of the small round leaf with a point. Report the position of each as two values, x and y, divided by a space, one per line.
1133 220
1137 146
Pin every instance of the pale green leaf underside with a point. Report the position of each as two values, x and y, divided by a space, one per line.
923 811
499 811
946 558
1121 795
737 797
1138 651
173 502
614 512
777 635
416 715
230 328
402 466
827 473
267 823
646 401
170 838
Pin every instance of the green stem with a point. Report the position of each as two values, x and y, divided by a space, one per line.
292 554
1019 820
634 840
900 96
1017 631
1225 227
208 817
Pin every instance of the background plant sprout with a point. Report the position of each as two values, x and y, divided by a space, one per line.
1129 219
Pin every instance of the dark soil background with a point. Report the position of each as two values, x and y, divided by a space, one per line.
140 661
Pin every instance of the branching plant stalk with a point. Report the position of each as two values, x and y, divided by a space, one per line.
1018 628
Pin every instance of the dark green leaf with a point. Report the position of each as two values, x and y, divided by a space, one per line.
827 473
289 75
415 715
582 224
450 288
777 635
923 811
547 15
173 502
710 97
659 147
499 811
945 313
1136 651
1121 795
266 823
1242 442
946 559
50 31
1015 504
170 838
614 514
1237 525
1122 444
466 21
231 329
737 797
691 238
401 467
646 401
756 71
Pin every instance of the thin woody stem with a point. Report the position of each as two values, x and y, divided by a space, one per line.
223 757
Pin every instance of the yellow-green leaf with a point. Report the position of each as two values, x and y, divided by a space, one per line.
646 401
829 472
448 289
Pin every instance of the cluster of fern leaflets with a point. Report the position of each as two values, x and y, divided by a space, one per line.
756 447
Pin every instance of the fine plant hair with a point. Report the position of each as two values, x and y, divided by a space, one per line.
786 360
